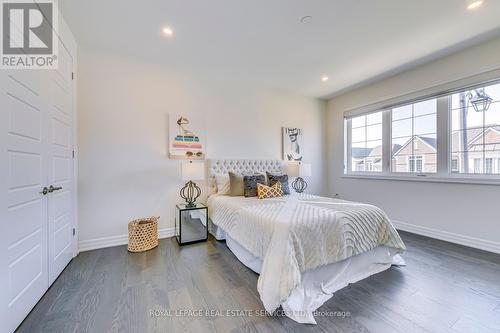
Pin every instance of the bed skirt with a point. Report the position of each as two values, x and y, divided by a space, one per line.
318 285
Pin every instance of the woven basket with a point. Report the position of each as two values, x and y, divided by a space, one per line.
143 234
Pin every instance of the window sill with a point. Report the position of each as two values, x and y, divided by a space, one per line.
428 178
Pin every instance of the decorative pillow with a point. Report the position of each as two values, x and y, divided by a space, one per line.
250 184
283 179
274 191
222 183
236 185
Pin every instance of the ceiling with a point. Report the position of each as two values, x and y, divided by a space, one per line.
351 41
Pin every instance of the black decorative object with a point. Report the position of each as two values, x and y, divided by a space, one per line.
299 185
298 170
191 171
190 192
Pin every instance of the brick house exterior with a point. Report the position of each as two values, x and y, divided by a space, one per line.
418 154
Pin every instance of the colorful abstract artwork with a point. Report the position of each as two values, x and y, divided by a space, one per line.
186 137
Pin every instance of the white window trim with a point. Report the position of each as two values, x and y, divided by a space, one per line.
444 173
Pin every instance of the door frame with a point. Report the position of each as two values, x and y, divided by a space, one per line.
67 40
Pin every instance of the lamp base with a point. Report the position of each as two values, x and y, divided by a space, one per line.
299 185
190 192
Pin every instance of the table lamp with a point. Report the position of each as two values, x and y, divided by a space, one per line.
298 170
191 171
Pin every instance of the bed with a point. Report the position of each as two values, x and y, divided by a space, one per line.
304 247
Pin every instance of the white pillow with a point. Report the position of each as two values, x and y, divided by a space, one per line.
222 183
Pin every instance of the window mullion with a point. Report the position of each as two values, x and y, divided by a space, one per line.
412 165
484 142
443 136
348 162
386 142
365 163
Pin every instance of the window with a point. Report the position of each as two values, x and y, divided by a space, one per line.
477 165
366 143
415 164
488 165
447 136
369 165
454 165
475 135
413 129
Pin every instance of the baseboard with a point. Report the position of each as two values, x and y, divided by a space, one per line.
103 242
477 243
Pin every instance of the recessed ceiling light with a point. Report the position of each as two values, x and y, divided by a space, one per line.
475 4
306 19
168 31
324 78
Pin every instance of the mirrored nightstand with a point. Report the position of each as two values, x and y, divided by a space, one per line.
191 223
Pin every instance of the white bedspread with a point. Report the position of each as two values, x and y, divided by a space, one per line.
297 233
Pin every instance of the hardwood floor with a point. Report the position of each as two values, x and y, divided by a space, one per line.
443 288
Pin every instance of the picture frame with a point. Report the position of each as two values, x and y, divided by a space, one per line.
187 136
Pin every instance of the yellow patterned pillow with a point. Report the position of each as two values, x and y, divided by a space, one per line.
274 191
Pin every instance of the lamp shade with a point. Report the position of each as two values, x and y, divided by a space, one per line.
298 170
193 171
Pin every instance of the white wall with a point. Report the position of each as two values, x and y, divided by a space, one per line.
124 171
460 212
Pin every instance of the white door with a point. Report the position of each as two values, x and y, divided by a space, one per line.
23 249
36 144
60 166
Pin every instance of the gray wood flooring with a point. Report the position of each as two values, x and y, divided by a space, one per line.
444 288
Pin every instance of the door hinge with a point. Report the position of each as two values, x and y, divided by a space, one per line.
73 154
72 75
74 231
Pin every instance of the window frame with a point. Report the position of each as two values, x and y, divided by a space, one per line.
389 171
348 168
444 172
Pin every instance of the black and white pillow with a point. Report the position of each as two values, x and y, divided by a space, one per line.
250 184
283 179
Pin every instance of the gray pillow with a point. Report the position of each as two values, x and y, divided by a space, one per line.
236 186
250 184
283 179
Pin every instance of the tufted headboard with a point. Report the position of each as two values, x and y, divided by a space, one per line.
217 167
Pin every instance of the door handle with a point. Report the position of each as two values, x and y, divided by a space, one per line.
45 191
53 189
